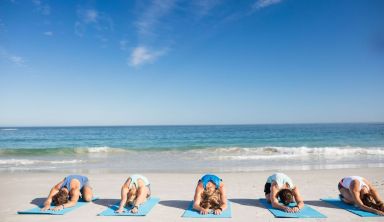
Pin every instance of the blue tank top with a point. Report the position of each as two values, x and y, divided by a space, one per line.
213 178
67 181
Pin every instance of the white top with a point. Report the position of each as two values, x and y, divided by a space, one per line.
346 182
280 179
134 180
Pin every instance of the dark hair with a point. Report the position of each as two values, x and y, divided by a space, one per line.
210 200
286 196
60 198
369 201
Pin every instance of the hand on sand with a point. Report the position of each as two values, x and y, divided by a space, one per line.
120 210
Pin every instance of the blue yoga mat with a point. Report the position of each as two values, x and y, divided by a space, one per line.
190 212
306 212
337 202
143 209
37 210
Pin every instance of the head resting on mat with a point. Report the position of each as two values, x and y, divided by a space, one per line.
286 196
60 198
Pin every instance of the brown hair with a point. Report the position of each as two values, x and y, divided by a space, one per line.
210 200
131 197
369 201
60 198
286 196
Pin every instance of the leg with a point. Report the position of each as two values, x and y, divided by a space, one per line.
346 196
268 197
87 193
267 191
143 194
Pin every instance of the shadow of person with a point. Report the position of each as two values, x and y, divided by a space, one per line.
247 202
181 204
106 202
320 203
38 201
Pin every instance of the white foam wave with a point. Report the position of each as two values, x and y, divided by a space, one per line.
102 149
9 129
18 162
23 162
66 161
265 153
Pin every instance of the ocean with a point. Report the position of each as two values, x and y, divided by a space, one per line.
200 148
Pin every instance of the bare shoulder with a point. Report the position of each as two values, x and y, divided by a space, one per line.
75 184
355 184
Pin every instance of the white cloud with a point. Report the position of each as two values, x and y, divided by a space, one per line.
93 19
141 55
151 16
259 4
17 60
48 33
204 6
90 16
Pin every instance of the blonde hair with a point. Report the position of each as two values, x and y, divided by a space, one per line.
210 200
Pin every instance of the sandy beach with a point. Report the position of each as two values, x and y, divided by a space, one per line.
22 190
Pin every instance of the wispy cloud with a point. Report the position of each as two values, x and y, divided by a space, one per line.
259 4
205 6
152 15
48 33
41 7
141 55
93 19
17 60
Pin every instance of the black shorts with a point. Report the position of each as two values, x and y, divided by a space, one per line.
267 188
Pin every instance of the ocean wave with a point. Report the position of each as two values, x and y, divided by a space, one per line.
276 153
242 152
18 162
60 151
8 129
102 149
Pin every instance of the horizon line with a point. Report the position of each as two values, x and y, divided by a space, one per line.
165 125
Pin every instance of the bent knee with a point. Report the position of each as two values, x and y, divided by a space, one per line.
87 198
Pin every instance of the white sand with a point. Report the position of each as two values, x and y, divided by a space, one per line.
176 190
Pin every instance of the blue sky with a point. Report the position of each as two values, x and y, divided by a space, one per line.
151 62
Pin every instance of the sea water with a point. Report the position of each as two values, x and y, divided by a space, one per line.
217 148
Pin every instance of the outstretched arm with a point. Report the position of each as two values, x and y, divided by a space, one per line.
55 189
356 198
223 199
274 201
124 193
374 193
197 199
142 193
298 198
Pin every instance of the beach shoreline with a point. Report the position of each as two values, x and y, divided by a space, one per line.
176 190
